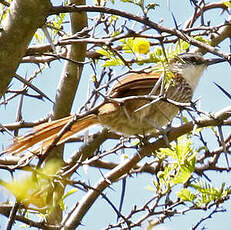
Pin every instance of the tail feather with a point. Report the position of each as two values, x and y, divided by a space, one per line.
46 133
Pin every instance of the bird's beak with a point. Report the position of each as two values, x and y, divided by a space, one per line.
211 61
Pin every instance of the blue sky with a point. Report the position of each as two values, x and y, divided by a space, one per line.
211 100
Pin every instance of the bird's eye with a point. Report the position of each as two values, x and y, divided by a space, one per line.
193 59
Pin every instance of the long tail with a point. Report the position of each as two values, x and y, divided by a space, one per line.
44 134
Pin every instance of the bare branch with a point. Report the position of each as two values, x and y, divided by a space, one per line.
147 150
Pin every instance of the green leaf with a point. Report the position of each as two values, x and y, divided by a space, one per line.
34 189
127 45
131 1
182 159
185 45
182 45
115 33
113 62
201 39
206 193
227 3
159 51
113 18
104 53
69 193
61 201
39 37
152 6
186 195
57 22
163 185
183 175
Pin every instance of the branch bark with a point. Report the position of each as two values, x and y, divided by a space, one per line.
65 95
71 72
22 21
147 150
145 21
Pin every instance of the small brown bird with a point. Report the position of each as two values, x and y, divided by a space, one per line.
132 116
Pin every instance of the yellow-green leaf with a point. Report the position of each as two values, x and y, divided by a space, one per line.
186 195
227 3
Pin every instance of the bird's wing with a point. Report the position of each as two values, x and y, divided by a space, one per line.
134 82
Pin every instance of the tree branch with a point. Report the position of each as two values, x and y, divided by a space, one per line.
65 95
158 27
147 150
18 28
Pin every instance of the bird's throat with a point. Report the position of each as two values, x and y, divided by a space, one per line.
192 74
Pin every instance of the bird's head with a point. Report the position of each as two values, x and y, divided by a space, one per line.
191 66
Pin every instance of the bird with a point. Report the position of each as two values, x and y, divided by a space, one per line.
128 111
